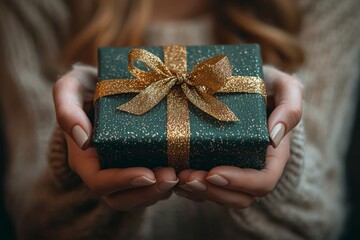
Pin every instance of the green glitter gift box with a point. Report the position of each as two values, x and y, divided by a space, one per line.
185 107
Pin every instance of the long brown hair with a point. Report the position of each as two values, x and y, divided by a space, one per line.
271 23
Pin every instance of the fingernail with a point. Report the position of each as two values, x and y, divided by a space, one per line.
142 182
197 185
167 185
79 136
217 180
181 193
277 134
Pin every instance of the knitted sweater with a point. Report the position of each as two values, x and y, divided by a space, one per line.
307 203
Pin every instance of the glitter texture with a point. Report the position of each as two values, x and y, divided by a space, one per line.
125 140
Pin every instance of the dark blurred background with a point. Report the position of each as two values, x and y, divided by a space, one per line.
352 230
6 228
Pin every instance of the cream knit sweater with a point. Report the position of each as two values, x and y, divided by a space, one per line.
48 201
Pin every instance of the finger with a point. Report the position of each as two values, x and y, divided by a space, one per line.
252 181
196 181
166 179
286 92
135 198
70 94
103 182
185 175
185 191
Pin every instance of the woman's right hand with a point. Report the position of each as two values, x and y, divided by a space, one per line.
121 189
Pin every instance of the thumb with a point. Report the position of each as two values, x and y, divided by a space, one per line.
287 94
70 94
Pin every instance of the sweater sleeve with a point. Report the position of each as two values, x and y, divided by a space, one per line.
308 202
301 206
62 207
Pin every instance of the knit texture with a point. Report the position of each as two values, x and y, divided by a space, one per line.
307 203
57 156
28 29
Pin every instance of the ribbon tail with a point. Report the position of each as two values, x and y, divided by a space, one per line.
209 104
149 97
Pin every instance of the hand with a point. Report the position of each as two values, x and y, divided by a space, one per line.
237 187
122 189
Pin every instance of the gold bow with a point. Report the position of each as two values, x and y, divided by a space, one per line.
208 77
205 79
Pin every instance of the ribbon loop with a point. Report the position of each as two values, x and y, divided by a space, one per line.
153 62
204 80
211 73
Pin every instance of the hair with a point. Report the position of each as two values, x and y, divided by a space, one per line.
273 24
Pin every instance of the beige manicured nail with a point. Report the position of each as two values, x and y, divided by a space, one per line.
142 182
79 136
197 185
167 185
217 180
277 134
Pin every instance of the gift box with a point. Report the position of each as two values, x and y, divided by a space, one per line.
186 107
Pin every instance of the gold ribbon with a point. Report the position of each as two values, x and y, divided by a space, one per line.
170 78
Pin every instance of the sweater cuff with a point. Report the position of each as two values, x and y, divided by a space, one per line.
290 179
58 160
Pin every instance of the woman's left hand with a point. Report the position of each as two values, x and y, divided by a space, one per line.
238 187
